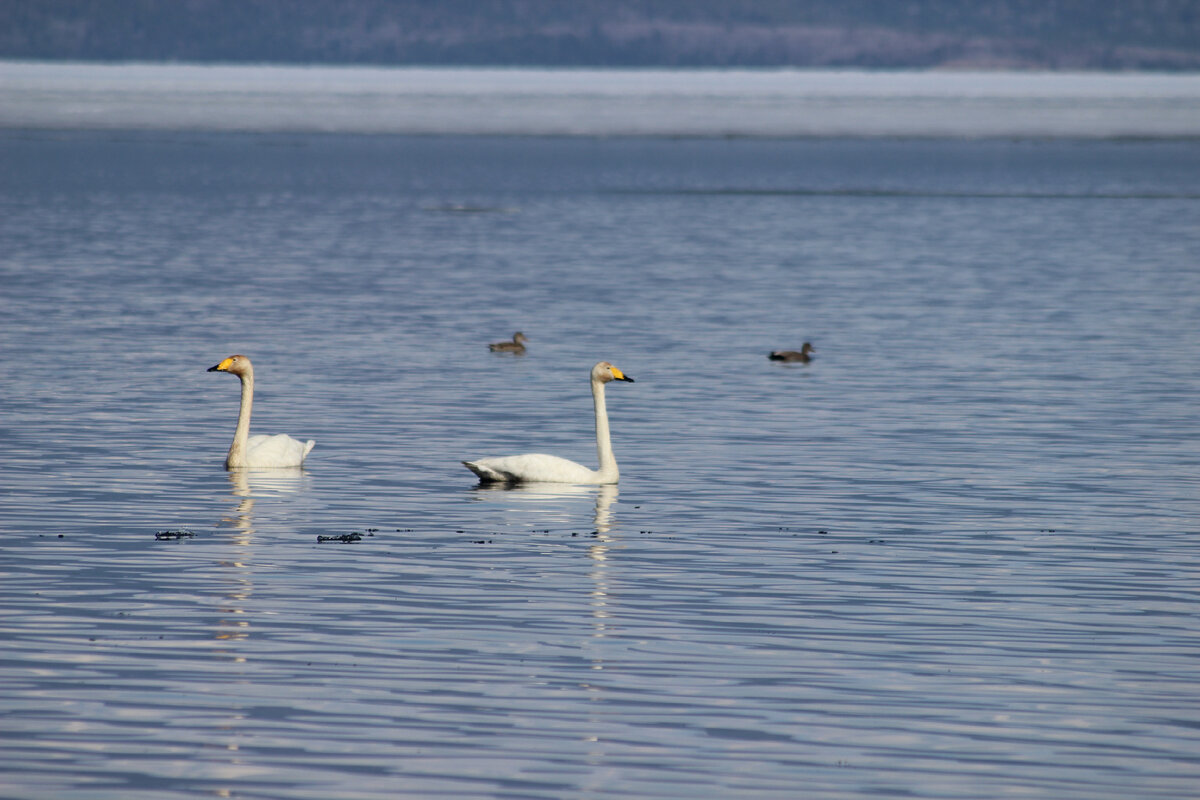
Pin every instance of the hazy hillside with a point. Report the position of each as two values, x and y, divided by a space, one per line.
1057 34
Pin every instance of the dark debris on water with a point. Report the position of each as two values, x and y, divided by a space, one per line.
353 536
345 537
181 533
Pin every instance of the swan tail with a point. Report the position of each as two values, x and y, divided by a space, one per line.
308 446
486 474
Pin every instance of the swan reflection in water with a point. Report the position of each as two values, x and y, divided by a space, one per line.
234 620
598 552
246 486
541 497
249 484
551 497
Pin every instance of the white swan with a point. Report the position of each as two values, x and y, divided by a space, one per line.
541 468
279 450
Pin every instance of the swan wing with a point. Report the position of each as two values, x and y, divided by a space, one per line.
279 450
531 468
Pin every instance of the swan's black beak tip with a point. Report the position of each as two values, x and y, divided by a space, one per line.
627 379
216 368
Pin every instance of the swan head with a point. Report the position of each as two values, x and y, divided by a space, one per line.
238 364
605 372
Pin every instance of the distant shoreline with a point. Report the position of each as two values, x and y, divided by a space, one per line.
576 101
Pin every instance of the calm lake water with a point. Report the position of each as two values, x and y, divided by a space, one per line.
954 556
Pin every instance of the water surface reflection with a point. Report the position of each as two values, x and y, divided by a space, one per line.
954 556
560 503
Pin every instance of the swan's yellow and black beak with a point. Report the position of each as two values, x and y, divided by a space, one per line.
621 376
222 367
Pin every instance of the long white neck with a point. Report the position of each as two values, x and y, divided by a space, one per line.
237 450
608 462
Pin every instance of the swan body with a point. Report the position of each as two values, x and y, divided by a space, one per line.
791 355
517 345
543 468
259 451
533 468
